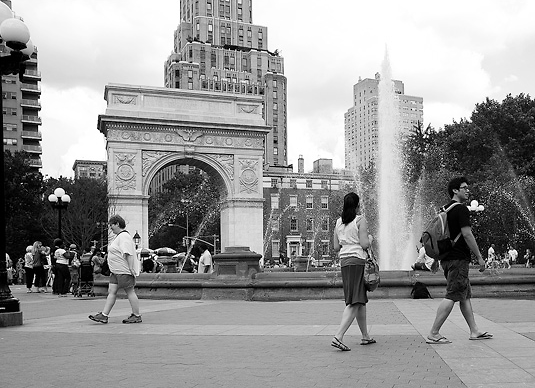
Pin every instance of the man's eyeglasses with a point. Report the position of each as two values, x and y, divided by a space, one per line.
464 188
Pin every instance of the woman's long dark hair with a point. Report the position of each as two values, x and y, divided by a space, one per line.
351 205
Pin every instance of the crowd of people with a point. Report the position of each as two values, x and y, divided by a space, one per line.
54 269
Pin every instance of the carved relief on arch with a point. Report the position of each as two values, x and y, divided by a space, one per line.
125 174
248 176
227 161
148 158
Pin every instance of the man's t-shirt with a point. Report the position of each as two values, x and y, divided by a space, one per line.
458 217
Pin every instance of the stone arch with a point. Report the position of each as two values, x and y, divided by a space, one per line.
212 164
149 128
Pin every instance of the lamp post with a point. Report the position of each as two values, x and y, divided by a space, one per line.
59 201
101 228
137 239
186 203
16 36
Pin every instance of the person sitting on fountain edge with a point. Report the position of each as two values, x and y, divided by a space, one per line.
456 264
423 262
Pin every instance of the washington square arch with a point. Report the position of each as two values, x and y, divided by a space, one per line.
148 128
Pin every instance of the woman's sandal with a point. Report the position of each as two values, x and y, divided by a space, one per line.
365 341
339 345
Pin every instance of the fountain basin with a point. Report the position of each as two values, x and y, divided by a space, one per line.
278 286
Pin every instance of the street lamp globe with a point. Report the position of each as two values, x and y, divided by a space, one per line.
5 12
15 33
59 192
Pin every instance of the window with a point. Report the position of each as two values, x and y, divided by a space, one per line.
274 83
324 184
310 202
309 183
293 224
274 182
275 94
190 73
310 224
293 200
10 141
324 202
324 247
325 225
293 183
275 248
275 201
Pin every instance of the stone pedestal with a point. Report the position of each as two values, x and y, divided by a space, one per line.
10 314
238 262
169 263
301 263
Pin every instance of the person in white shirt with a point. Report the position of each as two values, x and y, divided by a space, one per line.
513 254
124 266
491 255
423 262
205 261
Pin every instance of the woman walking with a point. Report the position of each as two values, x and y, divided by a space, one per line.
350 239
124 267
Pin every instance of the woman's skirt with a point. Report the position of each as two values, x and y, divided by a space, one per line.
353 281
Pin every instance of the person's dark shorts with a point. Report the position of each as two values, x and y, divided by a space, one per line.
123 280
457 282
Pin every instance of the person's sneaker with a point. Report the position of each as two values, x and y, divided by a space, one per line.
133 319
99 317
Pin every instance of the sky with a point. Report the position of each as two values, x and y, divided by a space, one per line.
454 54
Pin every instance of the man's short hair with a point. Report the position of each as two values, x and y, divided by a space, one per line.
117 219
455 184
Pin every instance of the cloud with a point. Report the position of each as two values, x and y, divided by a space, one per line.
453 54
71 128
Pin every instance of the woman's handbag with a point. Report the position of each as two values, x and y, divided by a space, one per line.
371 271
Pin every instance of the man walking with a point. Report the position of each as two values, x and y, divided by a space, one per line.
455 266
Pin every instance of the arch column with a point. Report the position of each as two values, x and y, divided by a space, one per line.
239 223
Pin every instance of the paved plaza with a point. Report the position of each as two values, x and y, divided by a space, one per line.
220 343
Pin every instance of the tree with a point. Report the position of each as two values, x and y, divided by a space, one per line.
511 126
89 205
23 190
416 148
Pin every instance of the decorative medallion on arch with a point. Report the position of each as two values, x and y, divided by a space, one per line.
248 176
125 175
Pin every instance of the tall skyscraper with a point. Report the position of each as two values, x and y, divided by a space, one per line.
218 49
21 106
361 121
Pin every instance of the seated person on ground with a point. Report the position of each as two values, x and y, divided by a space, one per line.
423 262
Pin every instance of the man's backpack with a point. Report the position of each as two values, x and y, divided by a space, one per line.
420 291
436 237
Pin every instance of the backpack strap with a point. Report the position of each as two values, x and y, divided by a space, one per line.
447 210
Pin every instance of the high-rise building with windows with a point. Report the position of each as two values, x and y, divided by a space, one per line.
217 48
361 121
20 109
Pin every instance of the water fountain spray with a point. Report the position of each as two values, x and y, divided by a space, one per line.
395 240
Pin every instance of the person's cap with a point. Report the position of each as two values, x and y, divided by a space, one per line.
72 246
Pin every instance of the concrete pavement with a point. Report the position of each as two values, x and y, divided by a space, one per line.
221 343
